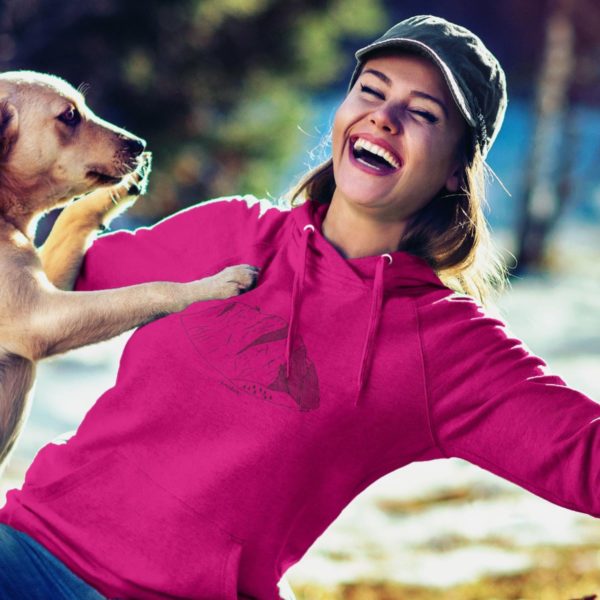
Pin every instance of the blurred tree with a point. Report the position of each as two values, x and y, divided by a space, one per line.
217 87
542 202
564 78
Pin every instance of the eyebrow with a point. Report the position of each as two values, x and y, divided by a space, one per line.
383 77
432 98
379 75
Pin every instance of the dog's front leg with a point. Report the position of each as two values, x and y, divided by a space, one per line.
59 321
64 249
79 223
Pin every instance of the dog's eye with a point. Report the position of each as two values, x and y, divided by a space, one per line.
70 116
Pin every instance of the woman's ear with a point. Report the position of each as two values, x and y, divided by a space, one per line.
454 181
9 126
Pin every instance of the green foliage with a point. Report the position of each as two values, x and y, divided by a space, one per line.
210 14
217 87
318 37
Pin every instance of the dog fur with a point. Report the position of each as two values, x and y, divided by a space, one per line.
52 149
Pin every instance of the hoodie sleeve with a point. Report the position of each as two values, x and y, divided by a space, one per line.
495 404
191 244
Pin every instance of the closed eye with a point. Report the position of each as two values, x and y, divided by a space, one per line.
429 117
369 90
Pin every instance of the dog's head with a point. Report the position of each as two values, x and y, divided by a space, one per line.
52 146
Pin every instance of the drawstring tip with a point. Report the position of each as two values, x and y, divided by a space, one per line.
288 356
359 385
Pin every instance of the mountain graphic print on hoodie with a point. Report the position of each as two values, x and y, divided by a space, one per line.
238 429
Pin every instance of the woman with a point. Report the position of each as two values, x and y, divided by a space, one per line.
238 430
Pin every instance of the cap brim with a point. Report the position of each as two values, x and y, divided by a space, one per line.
453 86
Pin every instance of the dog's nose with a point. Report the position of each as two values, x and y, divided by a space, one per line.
135 146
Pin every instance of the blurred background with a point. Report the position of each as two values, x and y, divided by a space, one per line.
237 96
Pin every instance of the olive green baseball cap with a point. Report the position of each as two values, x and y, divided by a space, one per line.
473 74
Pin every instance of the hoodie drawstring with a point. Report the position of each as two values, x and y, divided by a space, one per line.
297 296
376 304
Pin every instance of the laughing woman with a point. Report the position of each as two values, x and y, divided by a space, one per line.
238 430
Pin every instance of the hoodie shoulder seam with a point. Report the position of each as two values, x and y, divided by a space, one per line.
427 395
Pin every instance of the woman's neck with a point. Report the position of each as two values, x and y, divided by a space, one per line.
356 233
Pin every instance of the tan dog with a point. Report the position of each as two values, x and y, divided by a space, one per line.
53 148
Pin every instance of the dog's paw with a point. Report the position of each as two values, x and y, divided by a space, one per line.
232 281
110 202
135 184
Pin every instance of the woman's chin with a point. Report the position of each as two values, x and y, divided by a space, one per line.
363 189
362 197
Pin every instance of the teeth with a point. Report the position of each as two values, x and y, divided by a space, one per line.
374 149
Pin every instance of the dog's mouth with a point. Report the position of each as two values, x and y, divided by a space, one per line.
98 175
103 178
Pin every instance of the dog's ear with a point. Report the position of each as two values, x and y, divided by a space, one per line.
9 126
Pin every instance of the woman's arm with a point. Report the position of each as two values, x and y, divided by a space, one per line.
495 404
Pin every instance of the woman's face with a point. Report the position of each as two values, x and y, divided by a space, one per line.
396 138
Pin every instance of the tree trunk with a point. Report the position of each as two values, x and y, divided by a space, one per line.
548 166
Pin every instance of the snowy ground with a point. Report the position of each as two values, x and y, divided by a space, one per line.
436 523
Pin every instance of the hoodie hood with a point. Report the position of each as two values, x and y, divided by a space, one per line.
405 271
381 275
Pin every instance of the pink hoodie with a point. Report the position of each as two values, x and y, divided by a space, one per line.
238 429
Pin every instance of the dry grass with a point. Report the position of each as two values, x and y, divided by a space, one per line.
450 496
565 573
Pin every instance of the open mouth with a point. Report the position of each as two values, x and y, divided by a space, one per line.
374 157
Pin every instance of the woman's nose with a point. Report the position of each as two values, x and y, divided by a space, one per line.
386 118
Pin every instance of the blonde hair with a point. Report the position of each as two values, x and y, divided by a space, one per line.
450 233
